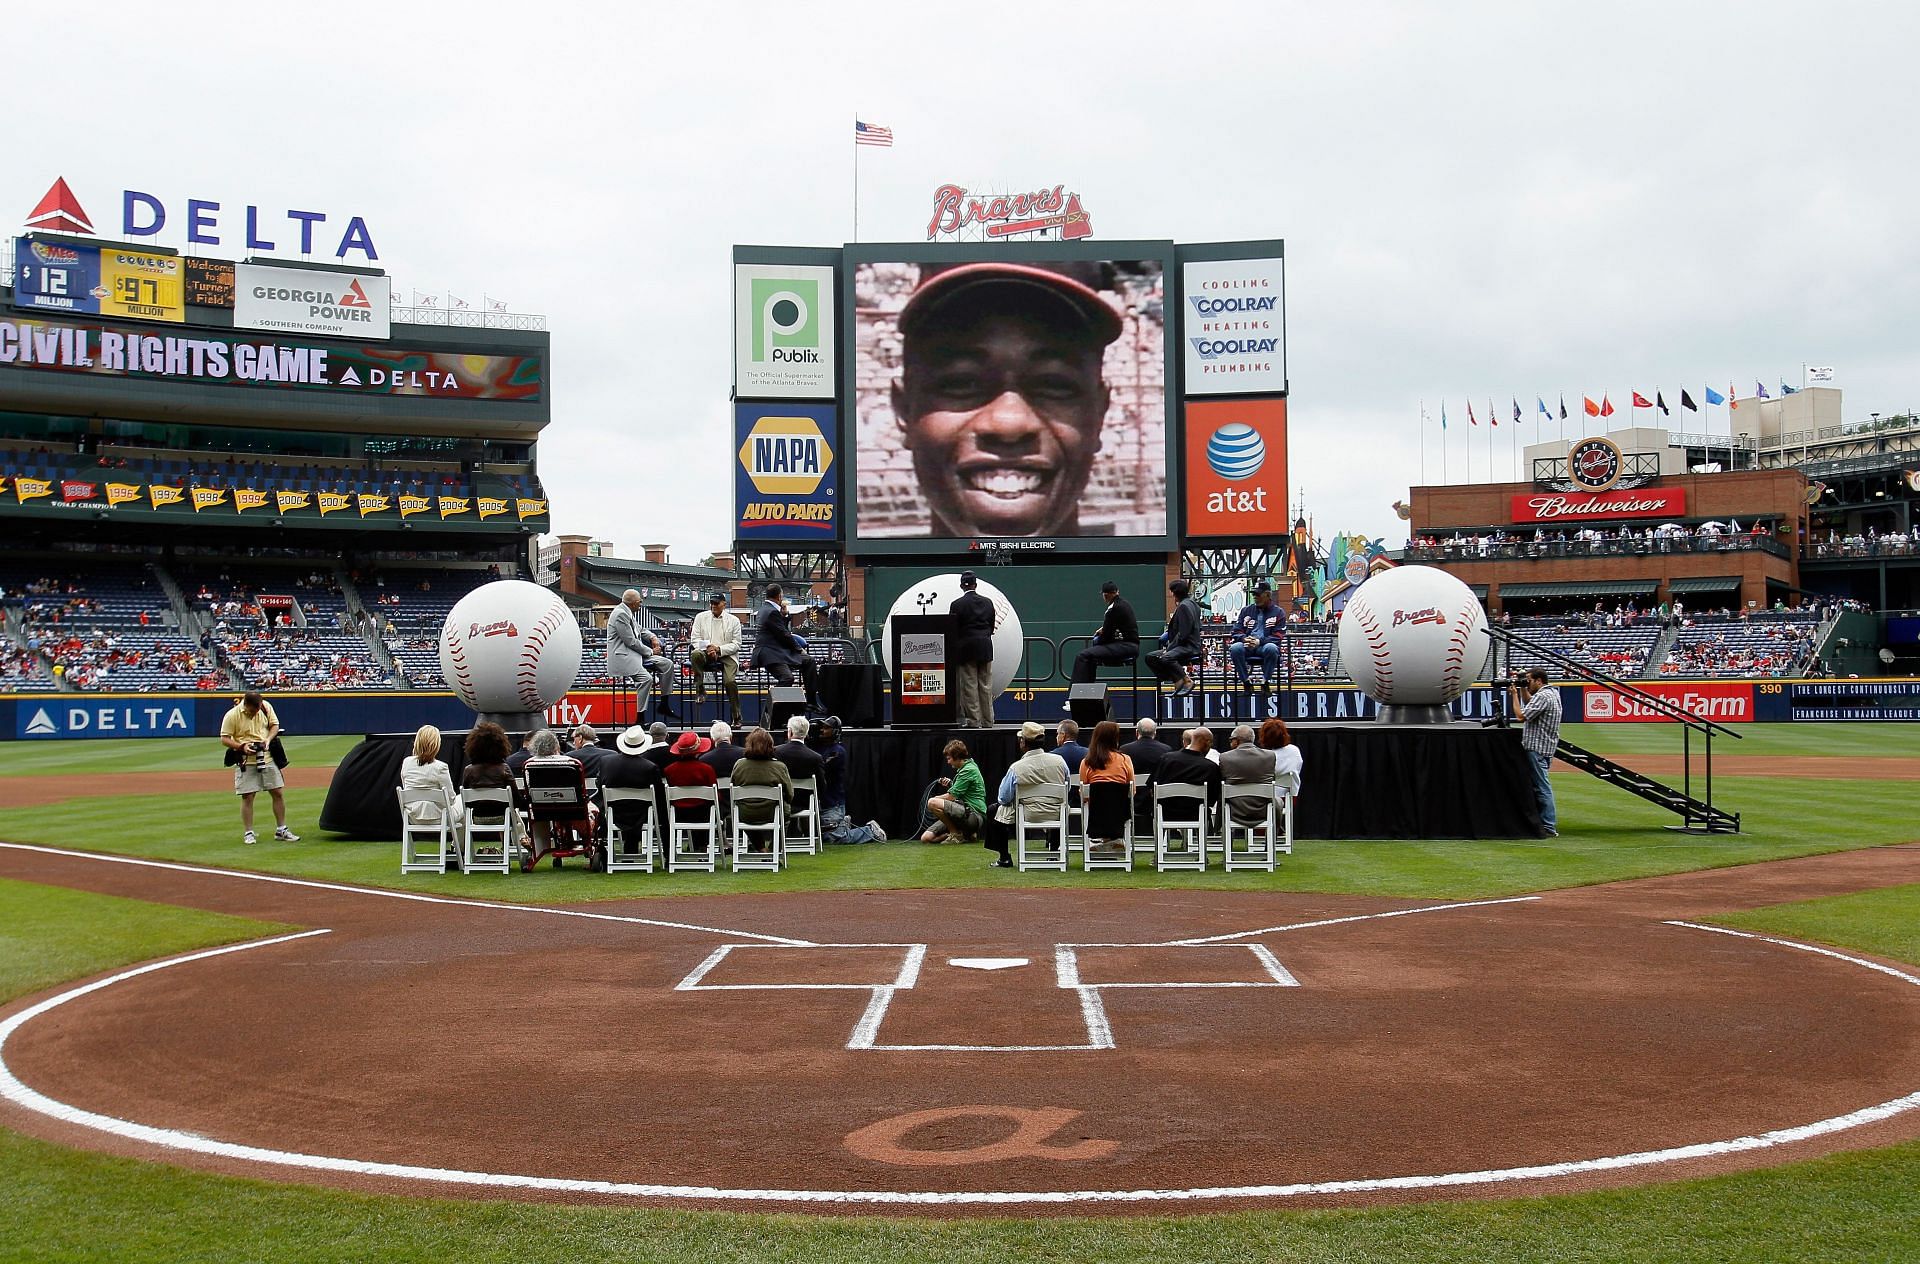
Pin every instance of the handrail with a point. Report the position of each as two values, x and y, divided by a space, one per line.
1653 702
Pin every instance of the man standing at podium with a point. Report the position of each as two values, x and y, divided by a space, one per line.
973 620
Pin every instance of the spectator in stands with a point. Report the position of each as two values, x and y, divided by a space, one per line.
248 730
1191 765
758 766
424 771
1257 632
1180 644
486 769
627 767
1037 767
1105 762
1067 746
960 812
778 651
725 753
1538 705
1117 641
587 749
716 647
1245 764
824 744
973 620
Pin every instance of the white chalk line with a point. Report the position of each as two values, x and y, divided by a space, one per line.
1339 921
385 894
866 1031
13 1090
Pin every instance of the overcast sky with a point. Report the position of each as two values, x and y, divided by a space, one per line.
1478 200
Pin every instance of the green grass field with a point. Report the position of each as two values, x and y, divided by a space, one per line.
71 1205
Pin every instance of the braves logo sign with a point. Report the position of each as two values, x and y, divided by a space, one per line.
1594 465
1005 216
504 627
1430 615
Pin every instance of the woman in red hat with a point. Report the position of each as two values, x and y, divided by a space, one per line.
683 767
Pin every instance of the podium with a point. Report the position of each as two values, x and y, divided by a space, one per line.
923 683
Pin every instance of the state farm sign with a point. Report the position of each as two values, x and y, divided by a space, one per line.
1588 506
1716 700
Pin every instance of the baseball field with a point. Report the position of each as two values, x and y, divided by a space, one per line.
1623 1043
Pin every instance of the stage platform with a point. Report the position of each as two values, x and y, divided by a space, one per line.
1362 781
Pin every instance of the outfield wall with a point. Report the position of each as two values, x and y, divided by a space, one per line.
51 717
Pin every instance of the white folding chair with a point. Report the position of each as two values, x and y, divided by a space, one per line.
1097 809
803 837
484 847
415 838
1192 852
1142 838
1038 813
1076 809
701 824
724 785
746 833
627 854
1258 836
1286 788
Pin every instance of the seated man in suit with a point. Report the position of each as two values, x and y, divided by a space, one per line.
779 652
587 749
1244 763
626 767
1067 746
1191 765
725 753
1146 750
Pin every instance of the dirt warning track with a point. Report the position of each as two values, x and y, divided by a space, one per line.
946 1051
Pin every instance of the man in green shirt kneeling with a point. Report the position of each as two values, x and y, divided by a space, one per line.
961 812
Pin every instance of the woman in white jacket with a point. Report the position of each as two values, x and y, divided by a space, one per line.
423 770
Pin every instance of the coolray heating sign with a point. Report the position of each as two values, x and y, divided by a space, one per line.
295 300
781 488
1234 326
33 718
222 358
783 339
1579 507
210 223
1727 702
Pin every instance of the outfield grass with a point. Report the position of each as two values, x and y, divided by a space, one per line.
64 1205
1874 741
155 754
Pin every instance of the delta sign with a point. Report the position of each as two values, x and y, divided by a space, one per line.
205 220
780 486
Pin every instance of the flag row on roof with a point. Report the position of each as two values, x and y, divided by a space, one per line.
1605 407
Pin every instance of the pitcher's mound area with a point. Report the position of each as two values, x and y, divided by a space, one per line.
1012 1051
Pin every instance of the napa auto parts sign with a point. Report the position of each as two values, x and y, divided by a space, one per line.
1728 701
1590 506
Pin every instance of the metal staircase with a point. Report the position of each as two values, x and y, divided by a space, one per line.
1662 646
1697 815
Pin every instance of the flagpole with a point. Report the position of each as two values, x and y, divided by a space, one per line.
1423 442
856 175
1443 441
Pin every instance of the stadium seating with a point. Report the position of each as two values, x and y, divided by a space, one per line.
104 623
1769 645
1620 652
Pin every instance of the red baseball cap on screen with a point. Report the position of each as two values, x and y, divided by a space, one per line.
1078 284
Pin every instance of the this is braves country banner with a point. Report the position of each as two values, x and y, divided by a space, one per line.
1578 507
294 300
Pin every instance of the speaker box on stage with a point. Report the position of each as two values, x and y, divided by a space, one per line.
1089 704
783 703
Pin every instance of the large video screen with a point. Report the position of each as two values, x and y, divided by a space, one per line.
1010 397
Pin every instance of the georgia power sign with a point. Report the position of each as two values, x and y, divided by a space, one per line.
781 488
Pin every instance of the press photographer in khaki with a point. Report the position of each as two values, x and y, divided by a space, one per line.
248 730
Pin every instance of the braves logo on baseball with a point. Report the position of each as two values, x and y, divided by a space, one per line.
504 627
1430 615
1413 636
510 647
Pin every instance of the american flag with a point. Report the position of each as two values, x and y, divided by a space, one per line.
868 134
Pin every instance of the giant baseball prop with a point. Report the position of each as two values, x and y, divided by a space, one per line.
935 593
509 648
1412 637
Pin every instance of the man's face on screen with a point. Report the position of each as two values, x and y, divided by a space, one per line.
1002 413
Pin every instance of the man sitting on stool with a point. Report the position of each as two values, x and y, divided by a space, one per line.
716 647
1117 641
1180 643
777 651
633 651
1257 631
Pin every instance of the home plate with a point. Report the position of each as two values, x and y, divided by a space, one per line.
988 963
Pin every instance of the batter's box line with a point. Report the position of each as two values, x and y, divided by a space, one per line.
866 1032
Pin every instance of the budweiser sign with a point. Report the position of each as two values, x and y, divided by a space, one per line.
1587 506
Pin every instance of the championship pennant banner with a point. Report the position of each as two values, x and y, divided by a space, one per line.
80 492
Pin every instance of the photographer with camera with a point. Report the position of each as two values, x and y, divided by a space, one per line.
1538 705
248 732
